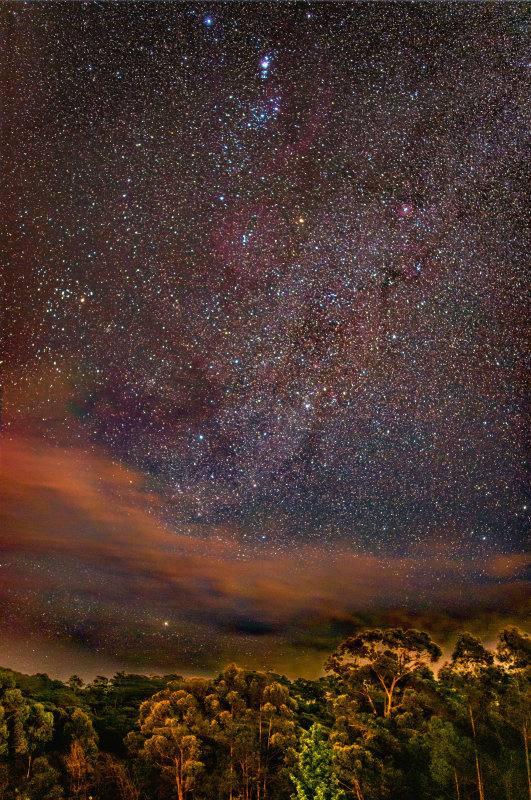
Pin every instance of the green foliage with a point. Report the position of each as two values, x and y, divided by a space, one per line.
450 755
514 649
316 778
376 665
80 728
114 705
45 783
76 683
393 730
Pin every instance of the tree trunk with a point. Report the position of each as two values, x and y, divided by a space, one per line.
387 712
456 785
178 779
388 704
29 767
480 785
358 789
524 733
245 776
231 769
369 698
259 753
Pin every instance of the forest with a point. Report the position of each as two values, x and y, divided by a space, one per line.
379 724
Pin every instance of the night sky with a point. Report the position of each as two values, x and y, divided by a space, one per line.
266 330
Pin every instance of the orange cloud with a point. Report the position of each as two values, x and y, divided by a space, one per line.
87 557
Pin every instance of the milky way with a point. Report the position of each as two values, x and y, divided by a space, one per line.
272 257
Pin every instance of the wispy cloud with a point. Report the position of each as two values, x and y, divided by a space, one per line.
92 565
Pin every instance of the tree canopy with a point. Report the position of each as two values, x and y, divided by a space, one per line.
379 725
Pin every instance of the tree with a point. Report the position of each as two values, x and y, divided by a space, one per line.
78 768
114 780
514 649
255 728
377 664
449 756
469 658
378 680
29 725
45 783
170 724
470 672
4 732
316 778
79 761
38 729
514 653
384 728
76 683
80 729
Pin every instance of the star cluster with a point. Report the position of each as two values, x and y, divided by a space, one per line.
274 256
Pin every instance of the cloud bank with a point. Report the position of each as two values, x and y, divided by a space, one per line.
92 575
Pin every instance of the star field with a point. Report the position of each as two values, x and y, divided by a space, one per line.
273 255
